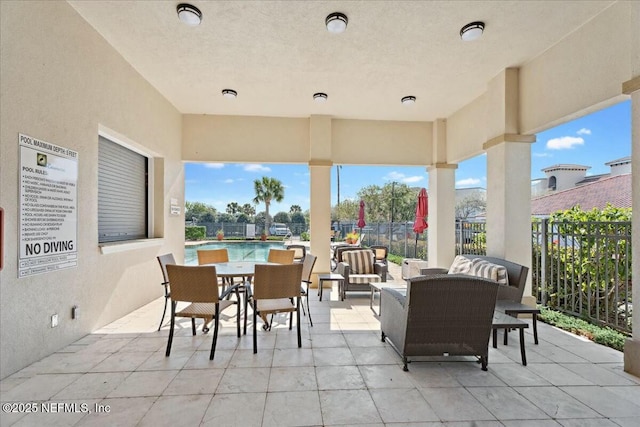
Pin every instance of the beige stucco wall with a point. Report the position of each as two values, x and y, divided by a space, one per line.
467 130
287 140
61 82
245 139
370 142
582 73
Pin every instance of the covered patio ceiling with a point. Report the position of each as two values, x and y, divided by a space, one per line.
277 54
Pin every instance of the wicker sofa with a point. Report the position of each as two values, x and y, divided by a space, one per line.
439 314
516 273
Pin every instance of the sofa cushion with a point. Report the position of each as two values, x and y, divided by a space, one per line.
488 270
460 265
361 262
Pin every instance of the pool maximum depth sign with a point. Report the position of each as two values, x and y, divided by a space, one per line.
48 207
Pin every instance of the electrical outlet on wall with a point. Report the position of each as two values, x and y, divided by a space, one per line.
54 320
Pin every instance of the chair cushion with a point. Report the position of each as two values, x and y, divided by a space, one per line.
364 278
361 262
275 305
488 270
200 309
460 265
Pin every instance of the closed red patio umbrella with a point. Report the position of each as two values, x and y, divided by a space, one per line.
422 210
361 222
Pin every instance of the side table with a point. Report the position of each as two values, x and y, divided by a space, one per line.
514 308
376 287
506 322
329 277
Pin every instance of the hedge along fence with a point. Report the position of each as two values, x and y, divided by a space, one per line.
195 232
600 334
581 262
582 265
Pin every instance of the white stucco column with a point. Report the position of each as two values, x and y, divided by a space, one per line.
632 345
320 221
442 214
320 191
509 201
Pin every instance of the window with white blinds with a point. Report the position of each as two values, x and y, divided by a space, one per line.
122 193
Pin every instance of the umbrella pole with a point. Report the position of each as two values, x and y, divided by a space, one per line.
415 251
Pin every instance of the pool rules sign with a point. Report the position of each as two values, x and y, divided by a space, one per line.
48 207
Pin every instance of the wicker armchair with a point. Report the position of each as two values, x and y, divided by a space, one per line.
281 256
439 315
193 284
211 256
165 260
359 269
307 268
275 287
381 252
340 250
300 252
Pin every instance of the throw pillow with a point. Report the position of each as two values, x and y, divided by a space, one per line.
460 265
488 270
361 262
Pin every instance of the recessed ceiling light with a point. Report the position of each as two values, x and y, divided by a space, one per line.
229 93
320 97
336 22
408 100
189 14
472 31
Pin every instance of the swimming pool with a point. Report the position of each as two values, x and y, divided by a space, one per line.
238 251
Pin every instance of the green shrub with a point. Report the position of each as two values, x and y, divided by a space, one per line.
601 335
396 259
590 250
195 232
304 236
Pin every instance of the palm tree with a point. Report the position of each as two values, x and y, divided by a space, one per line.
267 189
233 208
248 209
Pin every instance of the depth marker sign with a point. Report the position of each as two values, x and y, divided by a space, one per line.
48 207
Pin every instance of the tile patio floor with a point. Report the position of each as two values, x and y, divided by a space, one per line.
343 375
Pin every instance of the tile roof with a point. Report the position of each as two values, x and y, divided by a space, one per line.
615 190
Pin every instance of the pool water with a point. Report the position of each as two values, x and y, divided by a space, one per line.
238 251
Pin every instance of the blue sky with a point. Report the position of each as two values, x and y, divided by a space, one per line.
591 140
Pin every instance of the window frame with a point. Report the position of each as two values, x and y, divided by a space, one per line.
149 240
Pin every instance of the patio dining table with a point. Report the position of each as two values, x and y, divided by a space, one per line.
228 271
233 269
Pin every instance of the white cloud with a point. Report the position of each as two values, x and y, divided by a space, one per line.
542 155
564 142
256 168
467 182
398 176
584 131
228 181
214 165
394 176
412 179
